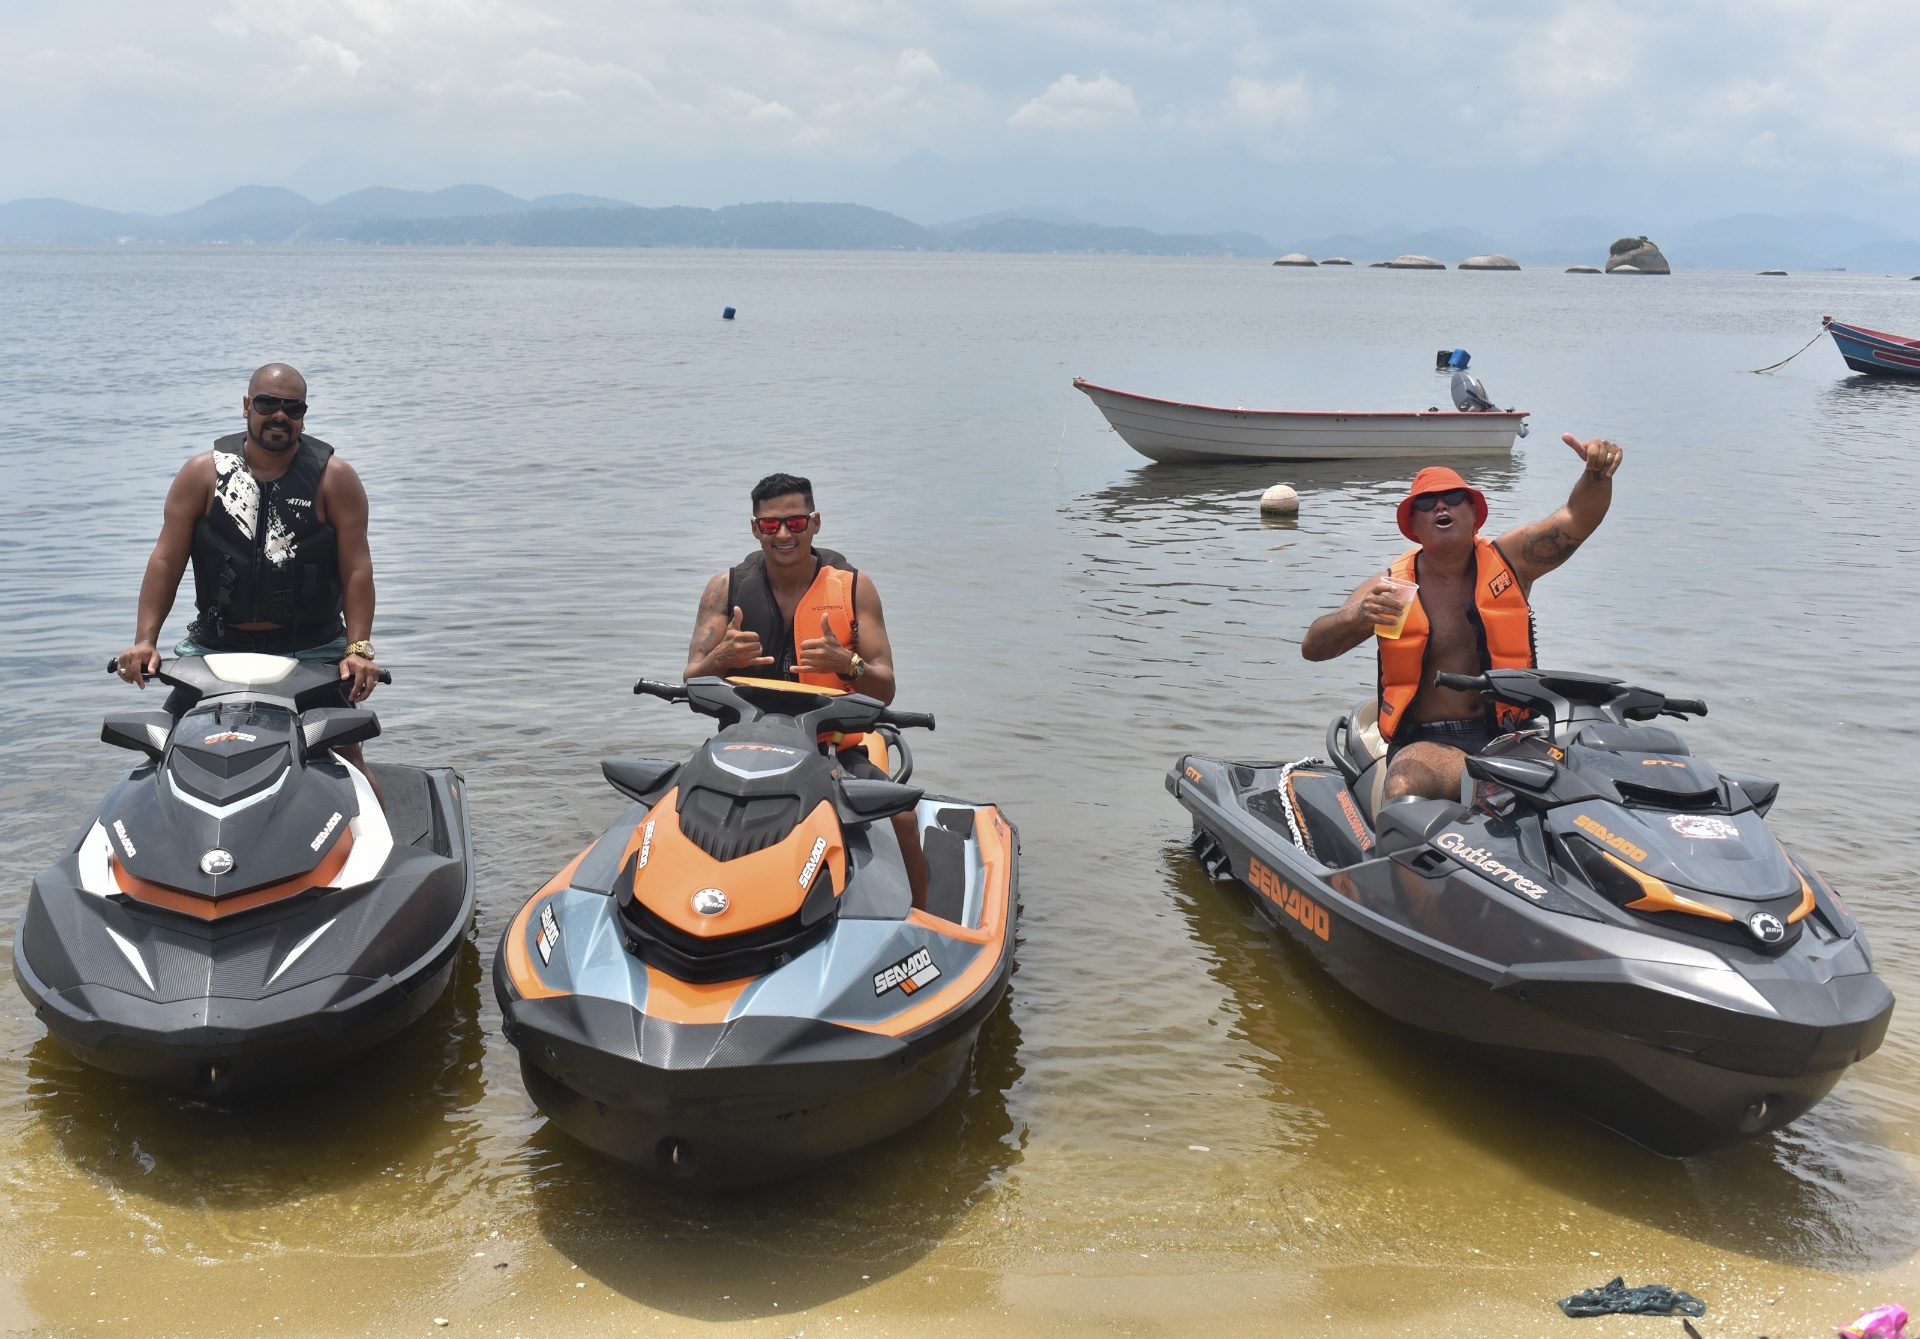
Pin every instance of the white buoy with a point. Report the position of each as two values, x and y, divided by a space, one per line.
1280 500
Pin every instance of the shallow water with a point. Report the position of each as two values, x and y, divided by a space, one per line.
1176 1123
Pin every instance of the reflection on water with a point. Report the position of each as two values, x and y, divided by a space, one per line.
792 1244
1826 1193
301 1147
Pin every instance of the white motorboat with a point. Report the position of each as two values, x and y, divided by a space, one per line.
1175 432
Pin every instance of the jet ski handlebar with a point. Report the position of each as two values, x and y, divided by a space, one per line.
1557 696
113 667
731 702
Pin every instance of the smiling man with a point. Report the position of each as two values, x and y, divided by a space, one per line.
794 611
1470 615
275 526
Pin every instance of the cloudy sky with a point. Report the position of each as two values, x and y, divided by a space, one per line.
1493 113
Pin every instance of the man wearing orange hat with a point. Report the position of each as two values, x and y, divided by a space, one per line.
1470 615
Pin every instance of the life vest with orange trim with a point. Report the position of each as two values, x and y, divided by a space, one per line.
1500 613
750 589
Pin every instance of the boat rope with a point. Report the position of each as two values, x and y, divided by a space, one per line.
1795 354
1286 800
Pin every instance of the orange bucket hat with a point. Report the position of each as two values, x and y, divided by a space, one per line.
1438 479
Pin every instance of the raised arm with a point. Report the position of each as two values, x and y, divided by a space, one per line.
719 645
186 499
1352 623
1535 550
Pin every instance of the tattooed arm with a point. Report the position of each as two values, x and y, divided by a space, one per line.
1535 550
719 644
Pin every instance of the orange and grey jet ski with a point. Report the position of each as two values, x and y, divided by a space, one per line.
733 983
1604 912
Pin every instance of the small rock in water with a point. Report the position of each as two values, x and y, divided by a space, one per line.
1782 273
1583 269
1280 500
1296 258
1489 263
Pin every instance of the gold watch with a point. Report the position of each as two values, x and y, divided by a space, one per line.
361 648
859 667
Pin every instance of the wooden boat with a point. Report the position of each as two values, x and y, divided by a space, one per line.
1875 352
1171 431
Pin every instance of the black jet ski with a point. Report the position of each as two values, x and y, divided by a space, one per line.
241 910
732 983
1602 912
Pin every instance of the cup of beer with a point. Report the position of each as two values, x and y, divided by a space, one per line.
1406 590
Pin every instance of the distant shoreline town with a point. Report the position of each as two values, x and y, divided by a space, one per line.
484 216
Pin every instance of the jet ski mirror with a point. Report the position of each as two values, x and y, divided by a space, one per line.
336 727
641 779
1761 791
144 731
1513 773
867 800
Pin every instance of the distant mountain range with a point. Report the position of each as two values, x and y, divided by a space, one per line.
484 216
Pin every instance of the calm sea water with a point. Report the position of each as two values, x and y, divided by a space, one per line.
1176 1123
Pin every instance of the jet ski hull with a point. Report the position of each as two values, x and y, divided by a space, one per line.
737 1082
266 998
1681 1047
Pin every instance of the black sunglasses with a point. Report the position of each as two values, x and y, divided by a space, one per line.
268 405
1453 497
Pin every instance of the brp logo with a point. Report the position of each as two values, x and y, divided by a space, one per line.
1767 928
216 861
709 901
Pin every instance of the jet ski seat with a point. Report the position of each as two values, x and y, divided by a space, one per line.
1367 751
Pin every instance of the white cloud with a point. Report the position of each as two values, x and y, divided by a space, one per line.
1073 103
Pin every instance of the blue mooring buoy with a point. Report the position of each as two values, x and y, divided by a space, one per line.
727 314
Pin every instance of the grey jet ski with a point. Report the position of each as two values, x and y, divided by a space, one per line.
1603 912
241 910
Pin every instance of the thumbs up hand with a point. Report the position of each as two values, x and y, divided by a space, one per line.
824 654
738 648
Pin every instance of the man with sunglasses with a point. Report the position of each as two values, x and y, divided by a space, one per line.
1469 614
760 618
275 526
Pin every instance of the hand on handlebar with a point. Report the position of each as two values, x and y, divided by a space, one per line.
137 663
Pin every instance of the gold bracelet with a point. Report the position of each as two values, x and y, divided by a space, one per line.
361 648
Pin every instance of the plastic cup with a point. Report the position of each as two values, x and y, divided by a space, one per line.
1406 590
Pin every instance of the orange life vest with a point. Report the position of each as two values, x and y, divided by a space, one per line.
831 594
1500 611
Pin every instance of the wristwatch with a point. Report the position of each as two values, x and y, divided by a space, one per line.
859 668
361 648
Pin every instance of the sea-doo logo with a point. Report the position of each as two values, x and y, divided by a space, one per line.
325 832
1456 846
709 901
216 862
228 736
1702 827
549 933
1609 838
1766 927
646 846
909 974
813 861
1289 899
125 841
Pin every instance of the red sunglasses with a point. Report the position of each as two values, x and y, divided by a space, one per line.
770 525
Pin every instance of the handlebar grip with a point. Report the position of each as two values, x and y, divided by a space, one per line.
666 692
908 720
1688 706
1462 683
386 676
113 665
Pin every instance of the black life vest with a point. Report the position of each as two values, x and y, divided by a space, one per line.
261 553
751 590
